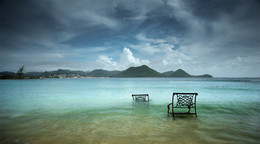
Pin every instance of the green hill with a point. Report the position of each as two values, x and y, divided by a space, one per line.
177 73
141 71
102 73
7 75
59 72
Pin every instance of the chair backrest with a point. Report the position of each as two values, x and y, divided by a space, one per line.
140 97
184 99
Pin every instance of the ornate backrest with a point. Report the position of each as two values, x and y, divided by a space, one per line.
184 99
141 97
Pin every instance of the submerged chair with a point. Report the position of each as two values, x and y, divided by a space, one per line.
140 97
183 101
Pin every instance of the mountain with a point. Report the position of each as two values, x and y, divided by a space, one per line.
68 72
7 75
103 73
33 75
177 73
56 72
141 71
204 76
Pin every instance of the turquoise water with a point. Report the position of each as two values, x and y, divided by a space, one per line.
101 110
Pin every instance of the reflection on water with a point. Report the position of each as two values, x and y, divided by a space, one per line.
106 113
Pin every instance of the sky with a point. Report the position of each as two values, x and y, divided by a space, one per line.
217 37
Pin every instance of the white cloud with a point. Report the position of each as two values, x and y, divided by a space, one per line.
146 48
142 37
96 19
106 61
164 56
152 45
126 60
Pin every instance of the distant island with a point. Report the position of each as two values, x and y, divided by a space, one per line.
140 71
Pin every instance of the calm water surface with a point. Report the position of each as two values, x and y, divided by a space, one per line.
101 110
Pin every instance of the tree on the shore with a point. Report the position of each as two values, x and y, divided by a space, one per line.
20 72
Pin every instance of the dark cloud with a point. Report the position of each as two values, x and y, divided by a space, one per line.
121 11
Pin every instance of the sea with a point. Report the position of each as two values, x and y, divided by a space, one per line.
101 110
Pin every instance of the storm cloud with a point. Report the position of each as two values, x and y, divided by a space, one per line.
219 37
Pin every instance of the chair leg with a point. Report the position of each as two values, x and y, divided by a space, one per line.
173 113
168 107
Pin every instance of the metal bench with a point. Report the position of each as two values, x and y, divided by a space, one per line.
140 97
183 101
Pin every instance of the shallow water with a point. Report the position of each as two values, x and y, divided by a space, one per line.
101 110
